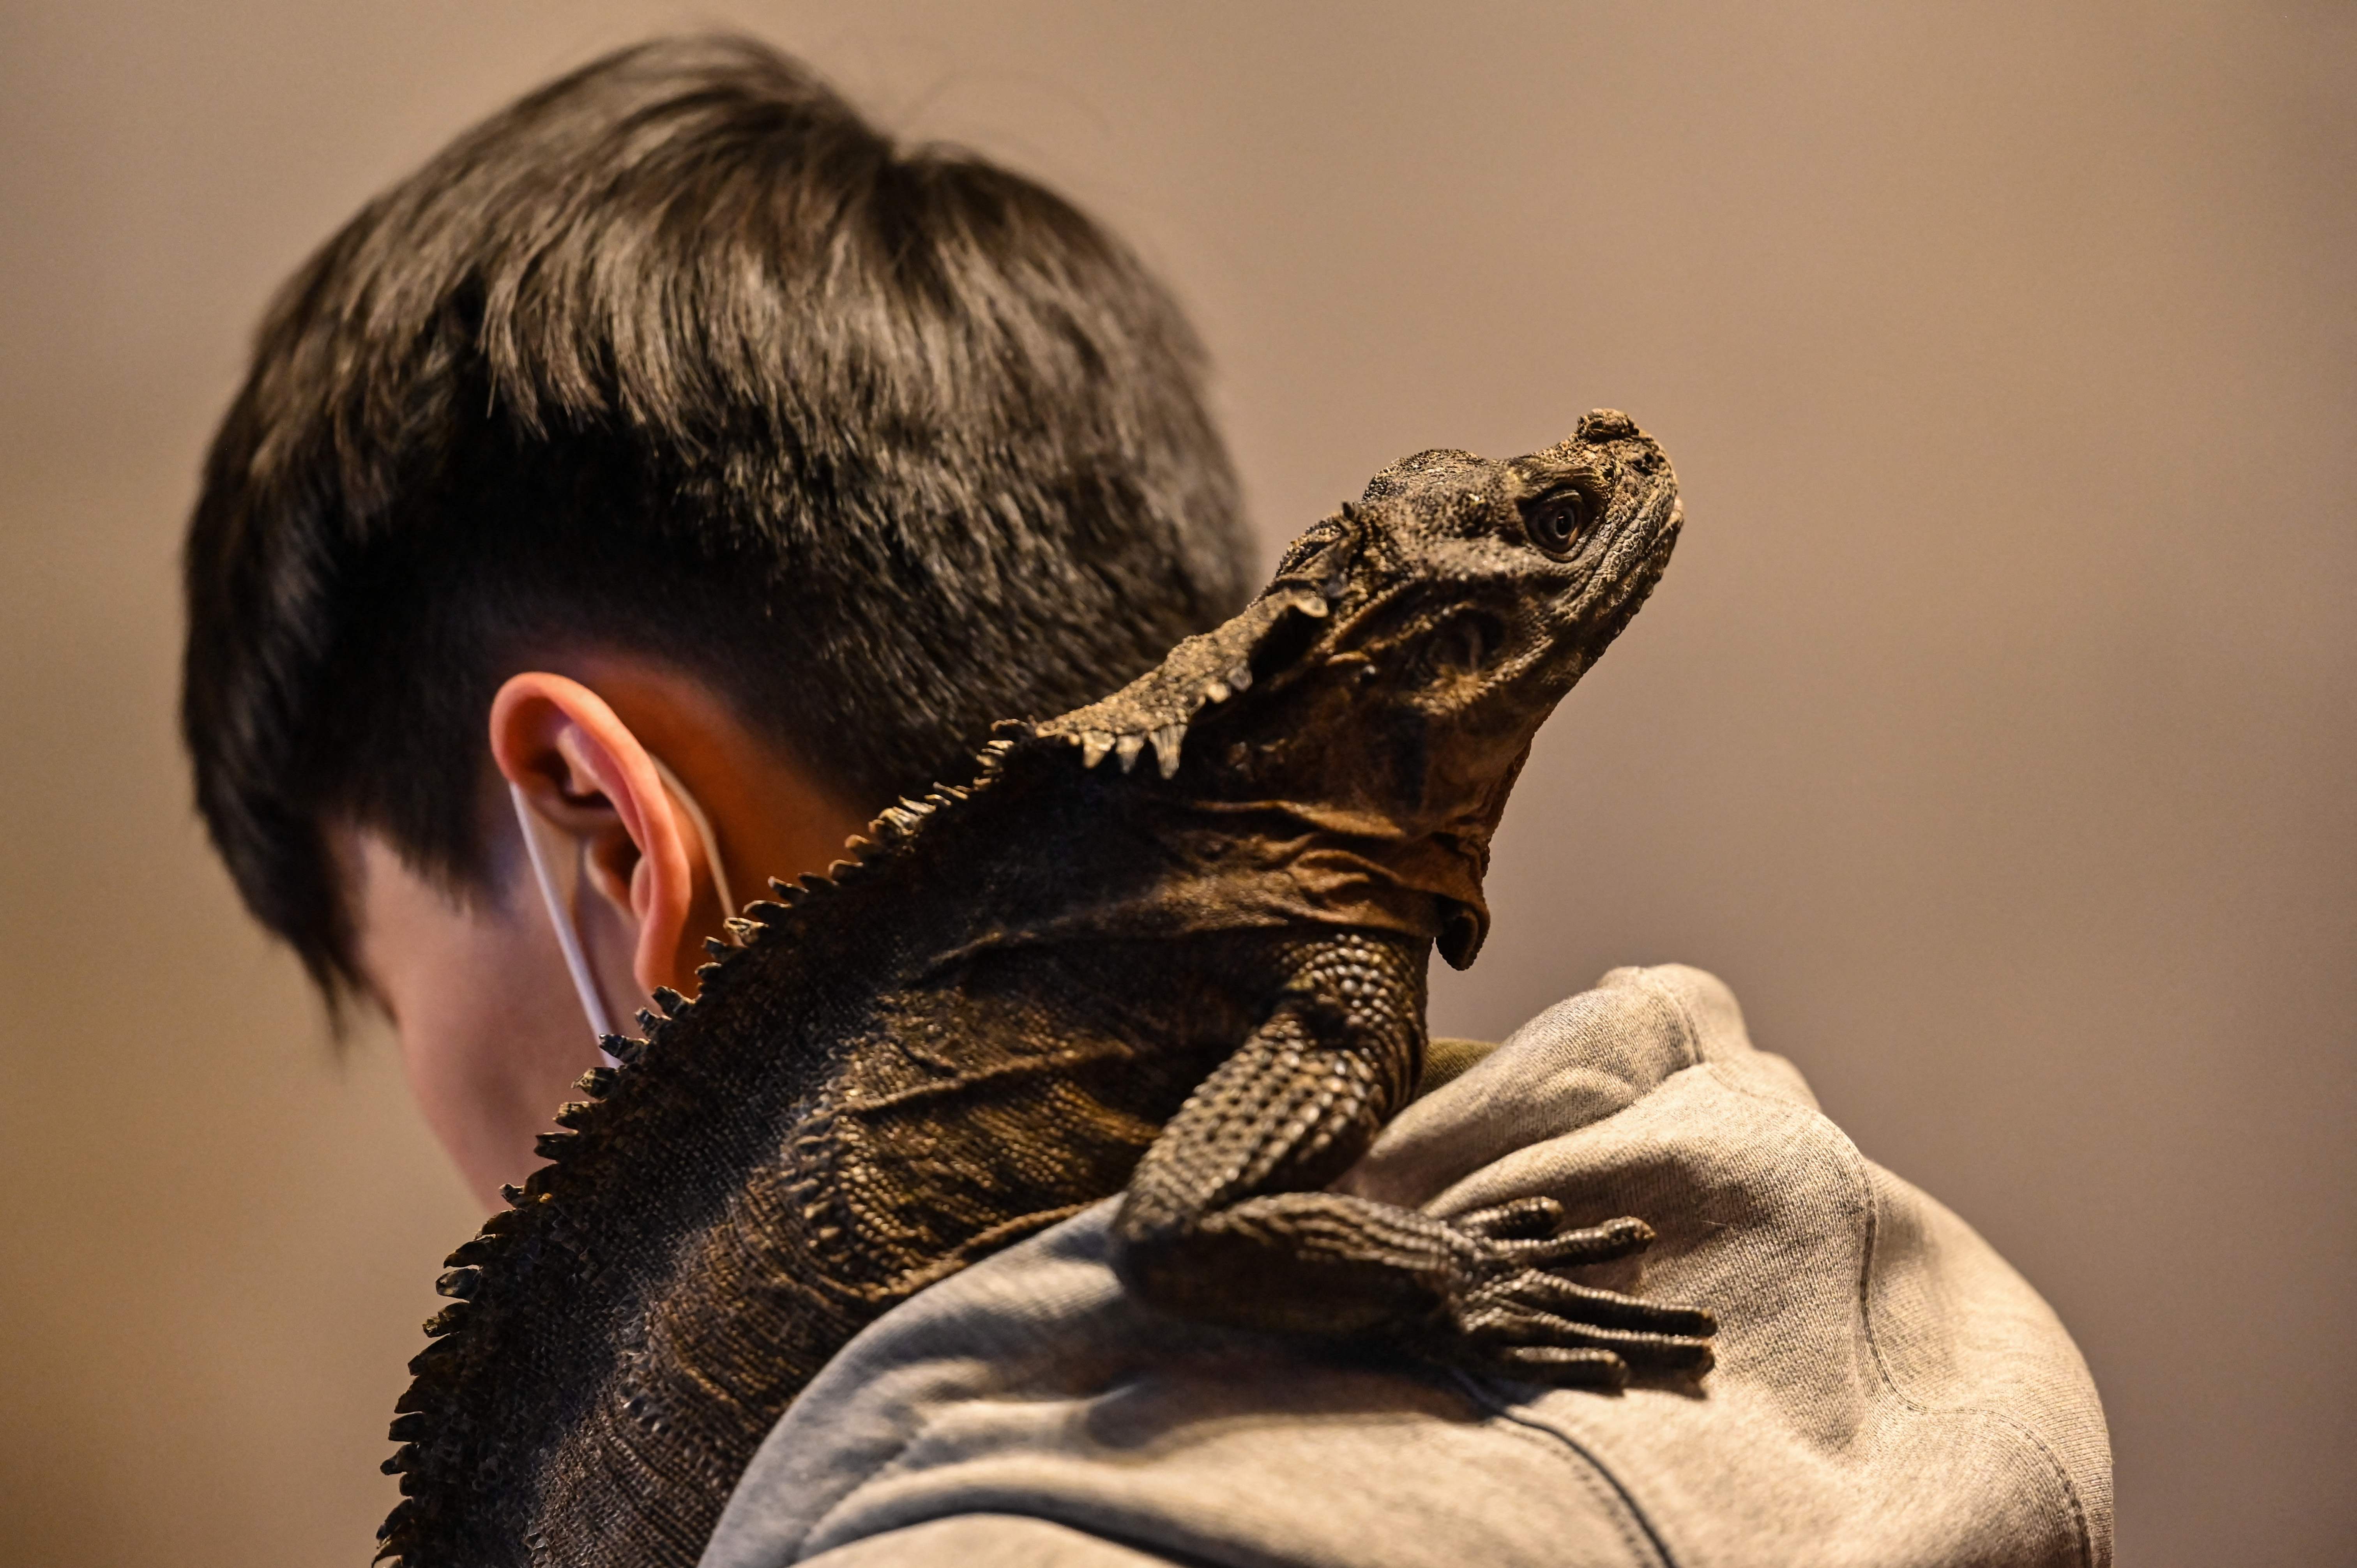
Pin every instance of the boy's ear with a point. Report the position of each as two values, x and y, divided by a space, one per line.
582 771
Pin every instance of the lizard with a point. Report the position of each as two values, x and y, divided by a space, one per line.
1168 948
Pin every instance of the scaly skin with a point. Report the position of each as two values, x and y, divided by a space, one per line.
1199 978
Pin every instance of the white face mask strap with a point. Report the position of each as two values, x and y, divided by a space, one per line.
555 865
704 836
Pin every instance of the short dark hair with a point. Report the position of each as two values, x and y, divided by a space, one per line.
678 354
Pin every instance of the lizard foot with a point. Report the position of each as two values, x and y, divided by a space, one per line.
1508 1312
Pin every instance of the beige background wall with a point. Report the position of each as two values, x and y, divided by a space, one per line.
1992 735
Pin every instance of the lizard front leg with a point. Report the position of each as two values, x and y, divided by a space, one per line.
1224 1218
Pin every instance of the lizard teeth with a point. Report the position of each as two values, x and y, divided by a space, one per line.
1240 678
1093 745
1126 748
1166 741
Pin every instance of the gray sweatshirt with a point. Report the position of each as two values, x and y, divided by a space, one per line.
1888 1392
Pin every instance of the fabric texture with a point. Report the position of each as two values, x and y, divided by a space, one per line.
1887 1393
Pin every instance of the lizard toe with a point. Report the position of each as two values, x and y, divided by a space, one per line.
1523 1219
1562 1367
1526 1319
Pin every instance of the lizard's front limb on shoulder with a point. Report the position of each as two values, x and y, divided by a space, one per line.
1224 1218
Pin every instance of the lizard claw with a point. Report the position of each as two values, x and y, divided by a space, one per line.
1511 1313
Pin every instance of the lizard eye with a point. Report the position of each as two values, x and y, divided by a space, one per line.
1555 520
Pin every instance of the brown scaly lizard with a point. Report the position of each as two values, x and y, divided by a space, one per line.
1171 945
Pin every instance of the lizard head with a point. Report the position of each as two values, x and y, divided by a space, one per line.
1465 597
1384 690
